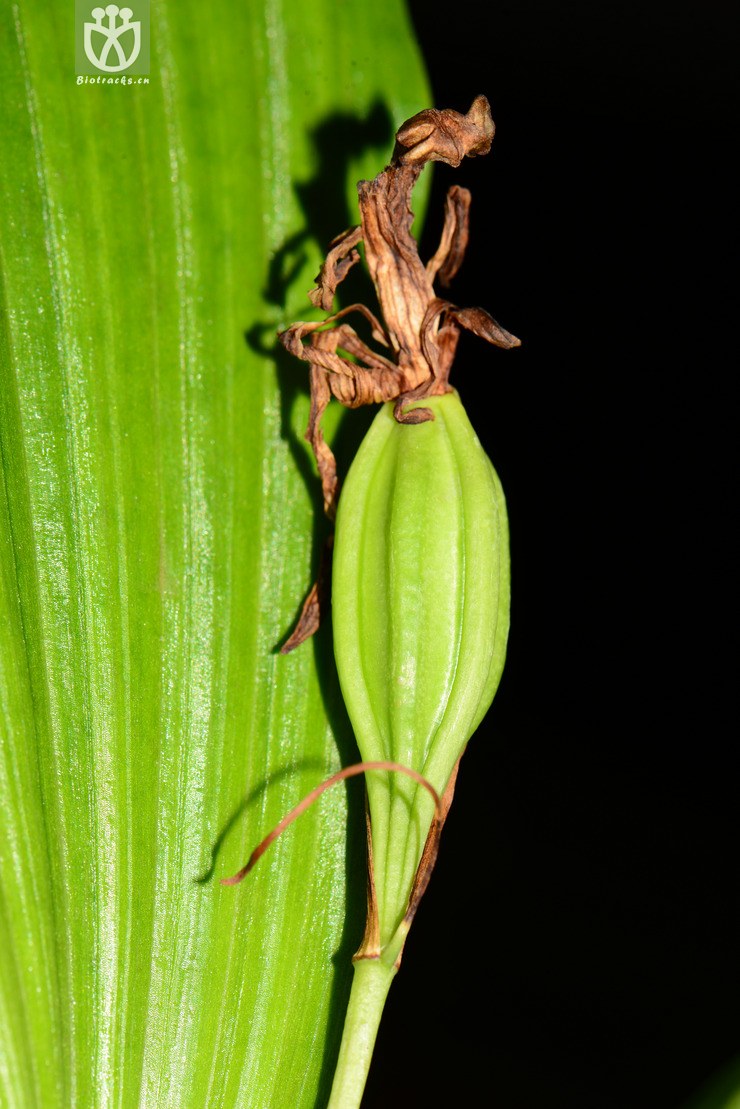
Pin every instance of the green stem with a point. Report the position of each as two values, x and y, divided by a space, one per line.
370 985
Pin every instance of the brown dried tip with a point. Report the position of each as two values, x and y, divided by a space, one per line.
315 605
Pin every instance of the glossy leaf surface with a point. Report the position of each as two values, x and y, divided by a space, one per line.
157 534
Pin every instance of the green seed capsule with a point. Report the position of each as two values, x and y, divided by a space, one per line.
420 600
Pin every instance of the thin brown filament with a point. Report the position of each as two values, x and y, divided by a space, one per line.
308 800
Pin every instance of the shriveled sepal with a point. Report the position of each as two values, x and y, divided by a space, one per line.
448 257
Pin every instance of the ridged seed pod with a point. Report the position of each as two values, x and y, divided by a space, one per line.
420 600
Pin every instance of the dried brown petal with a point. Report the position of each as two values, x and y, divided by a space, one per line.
448 256
485 327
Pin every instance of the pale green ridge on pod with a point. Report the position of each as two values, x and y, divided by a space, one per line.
420 599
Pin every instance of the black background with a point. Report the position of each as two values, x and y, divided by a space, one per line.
578 945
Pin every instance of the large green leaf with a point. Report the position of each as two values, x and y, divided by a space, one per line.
158 530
